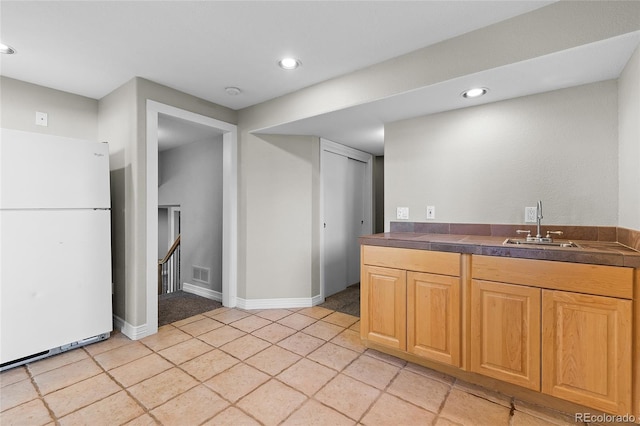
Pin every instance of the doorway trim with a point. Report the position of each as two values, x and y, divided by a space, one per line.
229 205
365 157
171 213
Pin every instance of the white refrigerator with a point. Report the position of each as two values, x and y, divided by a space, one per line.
55 245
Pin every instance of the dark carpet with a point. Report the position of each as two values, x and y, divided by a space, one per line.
347 301
180 305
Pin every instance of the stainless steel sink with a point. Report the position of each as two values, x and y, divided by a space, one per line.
524 242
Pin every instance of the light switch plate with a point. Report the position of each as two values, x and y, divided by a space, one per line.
402 213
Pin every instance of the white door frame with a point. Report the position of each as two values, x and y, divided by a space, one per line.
229 205
171 216
327 145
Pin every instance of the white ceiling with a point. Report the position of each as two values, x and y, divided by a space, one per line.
362 126
174 132
91 48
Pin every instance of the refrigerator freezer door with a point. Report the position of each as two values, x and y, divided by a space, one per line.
55 279
43 171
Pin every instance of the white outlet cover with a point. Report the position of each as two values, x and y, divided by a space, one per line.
431 212
530 214
402 213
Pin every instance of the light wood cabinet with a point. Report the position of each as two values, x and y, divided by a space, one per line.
383 302
408 302
585 338
433 317
505 332
556 328
586 350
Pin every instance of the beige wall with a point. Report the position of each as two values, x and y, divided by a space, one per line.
278 236
262 227
485 164
629 148
69 115
123 121
117 125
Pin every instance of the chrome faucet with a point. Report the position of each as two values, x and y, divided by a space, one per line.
539 217
539 238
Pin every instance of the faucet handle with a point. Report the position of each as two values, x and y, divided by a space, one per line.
523 231
558 233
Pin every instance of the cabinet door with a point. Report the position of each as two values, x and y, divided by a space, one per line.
586 350
433 317
505 332
383 306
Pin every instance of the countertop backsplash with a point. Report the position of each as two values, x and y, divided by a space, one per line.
627 237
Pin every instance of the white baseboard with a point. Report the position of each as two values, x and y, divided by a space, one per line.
299 302
137 332
200 291
133 332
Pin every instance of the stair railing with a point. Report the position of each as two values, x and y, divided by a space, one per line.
169 270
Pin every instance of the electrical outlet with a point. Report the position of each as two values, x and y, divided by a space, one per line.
402 213
530 214
431 212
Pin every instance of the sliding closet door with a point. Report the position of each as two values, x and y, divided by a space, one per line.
344 181
355 216
334 178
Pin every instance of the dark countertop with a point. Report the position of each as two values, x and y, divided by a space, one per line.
591 252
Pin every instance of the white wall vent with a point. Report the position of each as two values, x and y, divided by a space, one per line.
200 274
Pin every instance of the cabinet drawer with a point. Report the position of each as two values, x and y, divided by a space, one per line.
601 280
434 262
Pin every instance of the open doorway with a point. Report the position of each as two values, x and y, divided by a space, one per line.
228 136
190 170
169 250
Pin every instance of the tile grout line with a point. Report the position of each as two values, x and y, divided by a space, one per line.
56 418
124 388
382 391
198 381
202 382
40 395
274 377
443 403
240 361
338 372
313 396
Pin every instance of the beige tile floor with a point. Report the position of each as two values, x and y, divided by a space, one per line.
234 367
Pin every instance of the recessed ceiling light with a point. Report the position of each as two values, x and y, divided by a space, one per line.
475 92
289 63
7 49
233 91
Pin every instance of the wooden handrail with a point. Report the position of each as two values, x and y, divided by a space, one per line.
162 265
173 248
